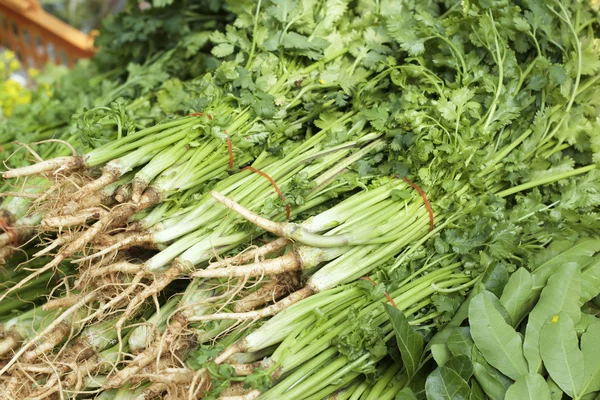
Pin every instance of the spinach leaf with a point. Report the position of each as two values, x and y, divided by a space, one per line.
459 341
409 342
462 365
445 384
500 344
560 294
490 384
590 347
529 387
516 294
590 282
561 355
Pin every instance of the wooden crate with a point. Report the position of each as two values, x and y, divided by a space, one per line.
37 37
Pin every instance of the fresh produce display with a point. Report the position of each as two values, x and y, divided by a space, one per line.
307 199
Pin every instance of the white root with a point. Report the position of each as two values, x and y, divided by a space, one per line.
245 369
56 165
37 369
287 263
123 194
50 341
270 291
152 391
5 254
72 220
117 216
122 267
132 287
75 378
157 285
9 343
50 328
96 199
56 243
251 255
137 189
131 241
177 326
62 302
263 312
51 387
266 224
6 239
108 176
248 396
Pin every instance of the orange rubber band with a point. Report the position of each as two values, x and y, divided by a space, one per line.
424 197
392 302
288 210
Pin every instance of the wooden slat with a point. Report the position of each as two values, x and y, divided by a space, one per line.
27 15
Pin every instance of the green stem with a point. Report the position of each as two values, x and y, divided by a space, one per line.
546 180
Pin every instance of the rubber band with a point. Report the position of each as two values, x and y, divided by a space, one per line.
288 210
427 205
392 302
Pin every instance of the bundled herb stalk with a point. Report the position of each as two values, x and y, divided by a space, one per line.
388 157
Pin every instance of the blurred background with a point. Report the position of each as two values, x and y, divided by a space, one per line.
85 15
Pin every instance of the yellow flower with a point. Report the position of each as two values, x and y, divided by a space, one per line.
9 55
555 319
14 65
33 72
11 94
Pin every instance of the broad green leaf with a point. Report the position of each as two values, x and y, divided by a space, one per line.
409 342
440 353
590 347
565 252
529 387
516 295
495 278
441 337
459 341
560 294
503 379
590 282
445 384
500 308
406 394
476 391
561 355
555 392
499 343
463 311
490 384
584 323
462 365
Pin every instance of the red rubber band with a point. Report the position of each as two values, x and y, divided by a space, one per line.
288 210
392 302
196 114
424 197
